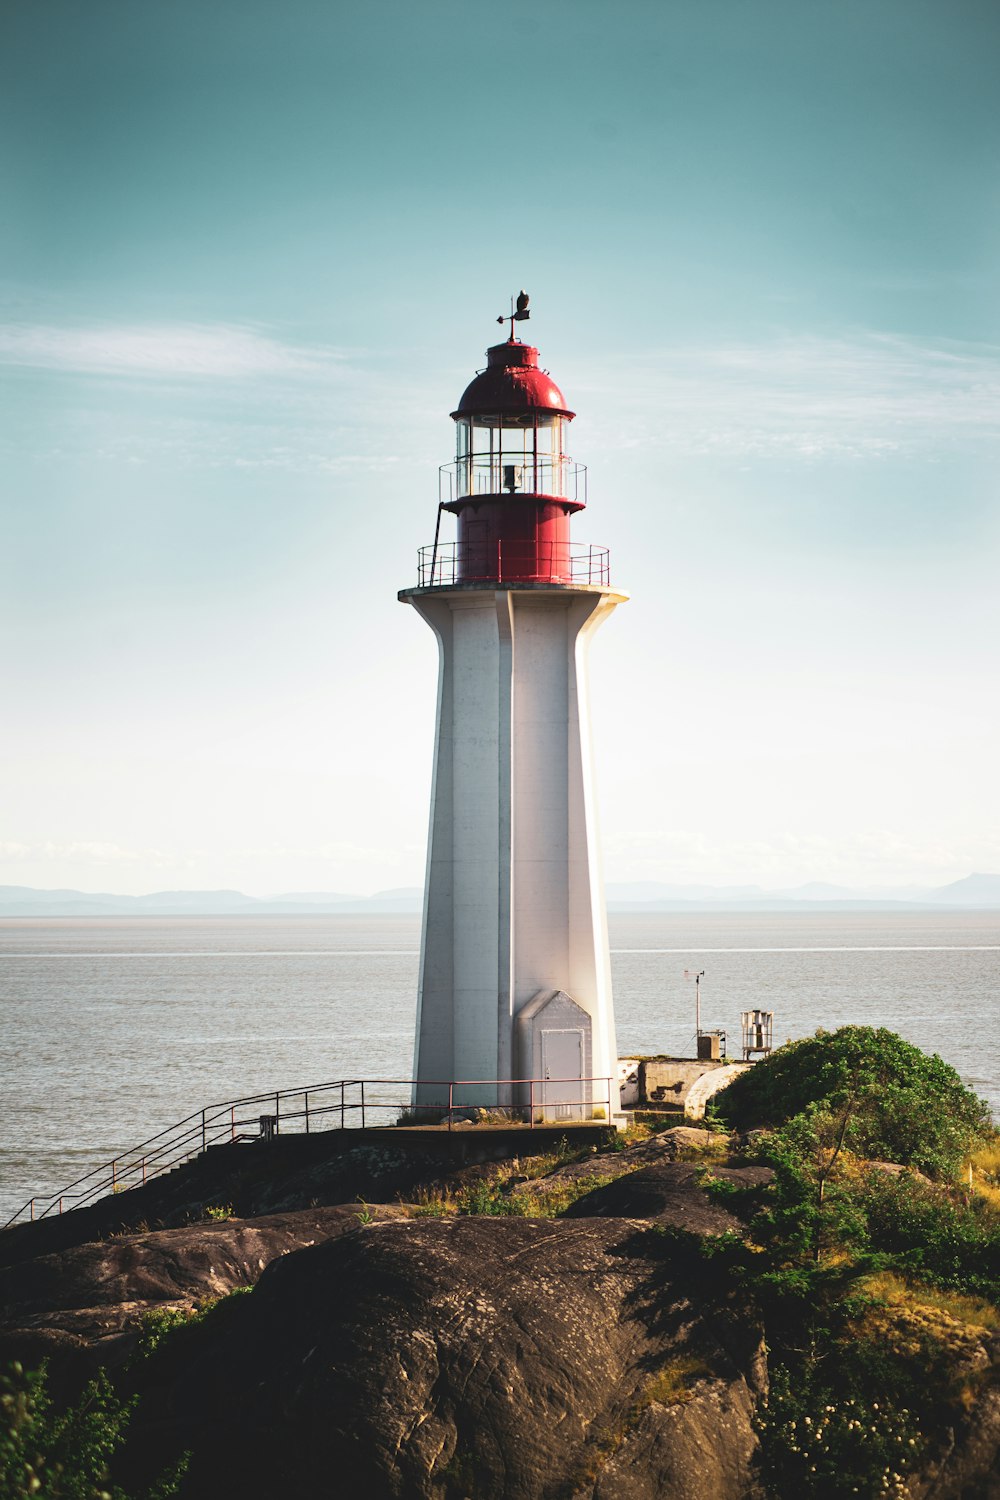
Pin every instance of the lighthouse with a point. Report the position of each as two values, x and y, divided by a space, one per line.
515 1000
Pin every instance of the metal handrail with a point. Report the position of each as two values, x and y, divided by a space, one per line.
217 1124
447 563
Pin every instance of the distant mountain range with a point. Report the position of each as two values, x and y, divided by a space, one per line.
24 901
974 892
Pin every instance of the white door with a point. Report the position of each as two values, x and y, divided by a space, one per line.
562 1070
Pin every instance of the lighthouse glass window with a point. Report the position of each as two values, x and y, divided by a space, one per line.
520 454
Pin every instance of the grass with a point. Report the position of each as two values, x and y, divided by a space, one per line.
988 1193
437 1202
541 1166
432 1203
502 1196
479 1198
420 1117
168 1321
499 1197
984 1173
553 1201
713 1146
986 1160
896 1291
672 1385
633 1134
656 1120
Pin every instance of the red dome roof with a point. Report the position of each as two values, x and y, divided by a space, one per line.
512 382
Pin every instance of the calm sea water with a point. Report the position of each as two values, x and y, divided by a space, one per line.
113 1028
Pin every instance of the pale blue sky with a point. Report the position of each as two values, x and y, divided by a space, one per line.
249 257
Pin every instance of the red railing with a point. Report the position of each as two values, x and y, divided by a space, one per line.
514 562
339 1105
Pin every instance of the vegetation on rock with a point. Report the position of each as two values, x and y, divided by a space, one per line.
50 1455
591 1339
877 1287
874 1093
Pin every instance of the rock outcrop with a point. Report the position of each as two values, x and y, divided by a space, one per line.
482 1357
409 1351
86 1305
672 1193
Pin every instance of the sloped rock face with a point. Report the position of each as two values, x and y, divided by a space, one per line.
669 1192
86 1304
970 1468
503 1359
965 1464
693 1449
667 1145
594 1357
253 1180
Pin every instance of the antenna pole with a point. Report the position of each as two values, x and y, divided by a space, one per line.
697 975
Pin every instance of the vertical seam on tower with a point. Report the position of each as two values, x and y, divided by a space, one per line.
504 600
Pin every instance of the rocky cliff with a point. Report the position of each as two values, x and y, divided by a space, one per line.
528 1329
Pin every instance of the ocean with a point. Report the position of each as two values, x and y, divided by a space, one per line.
112 1028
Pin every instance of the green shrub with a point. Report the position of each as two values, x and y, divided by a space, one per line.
166 1324
220 1212
48 1455
869 1368
819 1443
890 1100
487 1198
924 1230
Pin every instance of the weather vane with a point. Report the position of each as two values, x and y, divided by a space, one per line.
518 311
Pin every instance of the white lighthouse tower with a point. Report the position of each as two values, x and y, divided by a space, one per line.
515 979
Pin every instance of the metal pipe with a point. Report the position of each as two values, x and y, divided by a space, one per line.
437 533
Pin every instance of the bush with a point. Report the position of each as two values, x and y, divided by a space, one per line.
64 1456
950 1243
819 1443
893 1102
488 1198
167 1325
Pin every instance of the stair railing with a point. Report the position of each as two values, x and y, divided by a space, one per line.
346 1100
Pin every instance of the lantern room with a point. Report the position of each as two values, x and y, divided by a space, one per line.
510 429
512 487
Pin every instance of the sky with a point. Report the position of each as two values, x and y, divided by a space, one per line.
251 254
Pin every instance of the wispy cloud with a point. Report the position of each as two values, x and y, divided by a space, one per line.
802 397
86 852
216 350
866 396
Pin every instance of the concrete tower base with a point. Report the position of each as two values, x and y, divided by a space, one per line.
515 979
